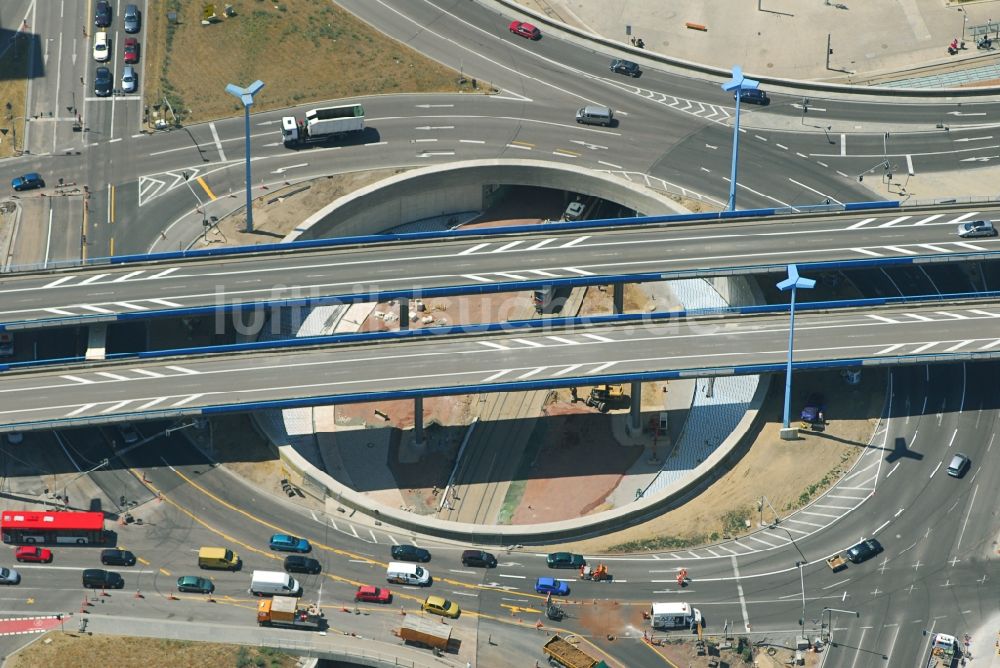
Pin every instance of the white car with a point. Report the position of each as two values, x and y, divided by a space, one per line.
102 50
977 228
129 81
9 576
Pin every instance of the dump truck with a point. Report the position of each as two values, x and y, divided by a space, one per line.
569 655
322 124
425 633
606 397
943 651
285 611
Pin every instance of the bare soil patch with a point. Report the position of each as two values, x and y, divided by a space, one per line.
13 94
68 650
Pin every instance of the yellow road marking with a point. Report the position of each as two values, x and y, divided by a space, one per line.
657 653
165 572
143 561
522 143
562 151
112 246
204 186
111 201
516 608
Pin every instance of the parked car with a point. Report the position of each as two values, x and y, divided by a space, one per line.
130 82
754 96
9 576
977 228
525 30
813 410
410 553
29 181
98 578
15 437
627 67
102 49
195 584
131 19
282 542
131 50
864 550
565 560
959 465
33 553
551 586
296 564
102 14
115 557
373 594
437 605
478 558
102 82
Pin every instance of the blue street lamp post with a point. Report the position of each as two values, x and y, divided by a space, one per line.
245 95
793 282
737 83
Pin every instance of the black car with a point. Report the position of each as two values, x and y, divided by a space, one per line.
864 550
131 19
98 578
754 96
478 558
565 560
626 67
103 82
116 557
410 553
102 14
298 564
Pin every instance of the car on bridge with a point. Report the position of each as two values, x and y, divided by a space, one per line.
977 228
551 586
565 560
29 181
410 553
525 30
864 550
282 542
373 594
33 553
195 584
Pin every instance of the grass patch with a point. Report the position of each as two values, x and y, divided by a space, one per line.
13 94
822 484
66 650
301 49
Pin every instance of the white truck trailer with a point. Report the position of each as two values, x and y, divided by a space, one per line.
322 124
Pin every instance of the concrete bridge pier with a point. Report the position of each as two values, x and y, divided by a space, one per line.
97 338
635 409
618 298
404 313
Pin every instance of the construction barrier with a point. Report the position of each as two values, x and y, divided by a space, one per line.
696 26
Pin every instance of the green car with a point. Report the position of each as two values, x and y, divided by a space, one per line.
195 584
566 560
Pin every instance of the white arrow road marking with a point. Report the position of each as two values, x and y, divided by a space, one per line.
282 170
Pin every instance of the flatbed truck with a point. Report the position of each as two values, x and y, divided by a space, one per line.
943 651
568 655
285 612
425 633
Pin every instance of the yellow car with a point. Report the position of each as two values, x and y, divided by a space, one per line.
437 605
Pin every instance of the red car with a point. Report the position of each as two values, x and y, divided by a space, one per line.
525 30
131 50
371 594
32 553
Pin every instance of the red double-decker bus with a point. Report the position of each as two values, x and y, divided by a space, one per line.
28 527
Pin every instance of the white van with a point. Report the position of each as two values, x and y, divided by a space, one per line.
674 616
595 115
271 583
401 572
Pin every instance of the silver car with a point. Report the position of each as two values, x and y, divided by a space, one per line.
132 19
9 576
130 83
977 228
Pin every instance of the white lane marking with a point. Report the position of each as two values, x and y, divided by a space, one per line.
496 375
764 542
966 522
739 589
546 274
517 577
966 244
523 148
58 311
867 252
798 521
529 343
125 277
95 309
495 346
936 249
575 241
144 372
115 406
181 369
804 533
986 313
883 319
150 404
134 307
917 316
836 584
951 442
928 219
964 216
894 221
165 272
112 376
609 164
602 339
471 141
516 277
372 534
903 251
508 246
813 512
393 539
470 251
582 272
473 277
886 351
935 470
960 344
909 164
956 316
860 223
992 344
92 279
541 243
531 373
77 379
58 281
821 194
572 367
81 409
920 349
559 339
186 400
601 367
455 570
892 470
164 302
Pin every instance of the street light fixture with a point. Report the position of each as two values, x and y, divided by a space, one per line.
793 283
101 464
802 584
829 627
737 83
246 95
965 20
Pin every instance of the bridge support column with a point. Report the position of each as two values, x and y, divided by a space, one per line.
97 336
618 298
404 313
635 409
418 421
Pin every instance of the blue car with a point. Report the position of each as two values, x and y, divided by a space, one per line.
27 182
551 586
285 543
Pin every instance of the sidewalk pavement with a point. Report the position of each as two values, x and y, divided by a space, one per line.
788 38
